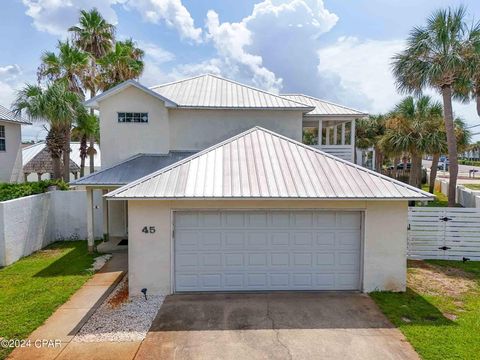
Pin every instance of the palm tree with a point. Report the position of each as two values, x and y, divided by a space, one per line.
368 133
59 107
95 36
408 130
86 127
123 63
434 58
70 65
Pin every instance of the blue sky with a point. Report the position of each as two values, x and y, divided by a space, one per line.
338 50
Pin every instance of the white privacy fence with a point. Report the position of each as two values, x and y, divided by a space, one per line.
30 223
443 233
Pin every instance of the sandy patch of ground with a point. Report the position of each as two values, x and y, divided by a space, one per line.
439 280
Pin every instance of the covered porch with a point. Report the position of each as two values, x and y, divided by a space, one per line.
333 136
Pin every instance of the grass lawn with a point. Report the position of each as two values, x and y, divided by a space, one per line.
440 312
33 287
441 200
472 186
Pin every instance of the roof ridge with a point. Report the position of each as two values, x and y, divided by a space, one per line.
230 81
325 101
256 128
178 81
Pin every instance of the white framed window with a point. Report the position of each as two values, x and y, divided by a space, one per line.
132 117
3 146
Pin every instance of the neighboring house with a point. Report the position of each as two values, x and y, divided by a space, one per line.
209 180
37 162
11 146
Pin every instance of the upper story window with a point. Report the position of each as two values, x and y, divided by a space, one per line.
132 117
2 138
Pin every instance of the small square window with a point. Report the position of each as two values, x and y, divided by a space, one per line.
124 117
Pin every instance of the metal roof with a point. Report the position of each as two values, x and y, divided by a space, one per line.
262 164
132 169
212 91
29 152
7 115
323 107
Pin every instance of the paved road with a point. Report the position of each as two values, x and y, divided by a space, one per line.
462 169
273 326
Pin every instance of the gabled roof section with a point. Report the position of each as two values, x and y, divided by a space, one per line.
212 91
132 169
323 107
7 115
261 164
93 102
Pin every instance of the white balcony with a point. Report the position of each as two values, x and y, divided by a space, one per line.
334 137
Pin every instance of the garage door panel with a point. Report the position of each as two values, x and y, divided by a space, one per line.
304 239
280 239
234 240
267 250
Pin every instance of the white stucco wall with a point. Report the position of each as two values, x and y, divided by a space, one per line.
199 129
30 223
11 159
123 140
385 239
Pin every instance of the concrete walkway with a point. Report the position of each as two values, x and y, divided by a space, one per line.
69 318
273 326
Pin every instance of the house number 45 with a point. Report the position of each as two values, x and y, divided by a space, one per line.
148 229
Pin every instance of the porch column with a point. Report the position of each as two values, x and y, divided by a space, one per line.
39 176
352 139
105 215
327 136
320 132
343 133
335 135
90 234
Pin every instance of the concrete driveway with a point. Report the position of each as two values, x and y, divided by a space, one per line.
273 326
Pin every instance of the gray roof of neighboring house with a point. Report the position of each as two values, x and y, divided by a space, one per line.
132 169
212 91
323 107
261 164
7 115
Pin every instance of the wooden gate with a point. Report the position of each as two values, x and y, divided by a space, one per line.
443 233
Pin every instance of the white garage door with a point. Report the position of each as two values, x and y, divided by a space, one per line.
267 250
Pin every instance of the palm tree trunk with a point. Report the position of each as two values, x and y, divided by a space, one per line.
451 142
57 167
92 140
478 104
415 178
433 172
83 154
66 157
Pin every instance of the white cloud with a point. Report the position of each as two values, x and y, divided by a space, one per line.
273 47
155 58
172 12
363 66
56 16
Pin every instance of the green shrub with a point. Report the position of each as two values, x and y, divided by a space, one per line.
15 191
469 162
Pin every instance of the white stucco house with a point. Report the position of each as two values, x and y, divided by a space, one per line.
210 182
11 146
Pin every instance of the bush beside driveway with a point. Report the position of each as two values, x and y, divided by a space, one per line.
32 288
440 312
